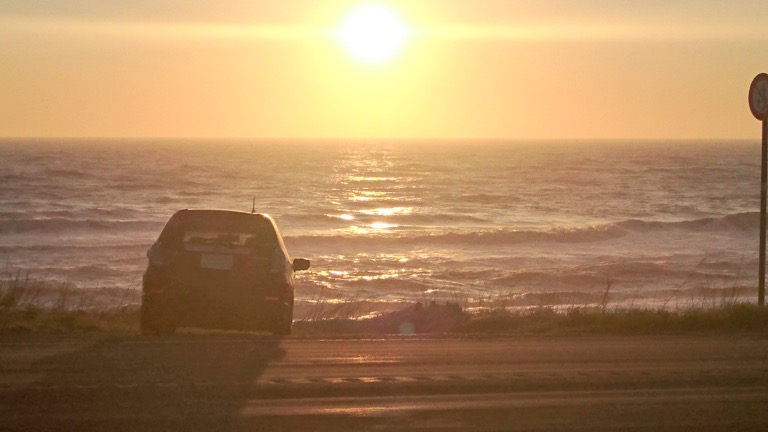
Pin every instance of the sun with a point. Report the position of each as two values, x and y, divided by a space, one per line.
373 33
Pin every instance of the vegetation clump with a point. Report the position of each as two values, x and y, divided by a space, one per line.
29 305
32 305
731 317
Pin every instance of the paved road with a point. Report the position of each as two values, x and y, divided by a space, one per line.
248 382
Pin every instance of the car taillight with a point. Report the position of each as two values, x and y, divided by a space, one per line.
154 287
272 298
154 281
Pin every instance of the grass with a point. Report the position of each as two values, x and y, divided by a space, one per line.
38 320
729 317
34 305
31 305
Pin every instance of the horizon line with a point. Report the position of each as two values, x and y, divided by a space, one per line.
364 139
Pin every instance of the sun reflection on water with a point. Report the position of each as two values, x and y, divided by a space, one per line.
373 228
388 211
373 196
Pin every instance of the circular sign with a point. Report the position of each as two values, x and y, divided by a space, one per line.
758 97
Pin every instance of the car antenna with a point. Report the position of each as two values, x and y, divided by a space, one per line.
253 209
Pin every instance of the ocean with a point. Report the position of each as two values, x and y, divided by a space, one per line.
516 224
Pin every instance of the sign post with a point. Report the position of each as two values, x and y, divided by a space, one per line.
758 104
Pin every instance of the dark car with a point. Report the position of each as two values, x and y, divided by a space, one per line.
219 269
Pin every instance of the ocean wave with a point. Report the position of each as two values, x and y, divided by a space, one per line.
748 221
402 219
619 270
103 220
102 248
740 223
484 198
12 215
123 214
491 237
139 186
66 173
548 279
96 272
12 179
51 225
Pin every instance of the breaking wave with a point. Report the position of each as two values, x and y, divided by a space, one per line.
58 224
741 222
748 221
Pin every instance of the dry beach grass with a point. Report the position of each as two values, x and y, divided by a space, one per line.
35 305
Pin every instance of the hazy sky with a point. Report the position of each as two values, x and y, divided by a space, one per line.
545 69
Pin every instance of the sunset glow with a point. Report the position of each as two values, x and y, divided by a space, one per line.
380 69
373 33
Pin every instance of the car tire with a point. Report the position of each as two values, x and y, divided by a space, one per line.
154 320
284 329
283 325
167 329
148 320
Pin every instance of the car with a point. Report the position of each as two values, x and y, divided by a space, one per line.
219 269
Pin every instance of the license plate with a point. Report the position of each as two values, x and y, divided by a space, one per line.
216 262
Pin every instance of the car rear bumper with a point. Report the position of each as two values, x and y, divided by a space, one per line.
219 306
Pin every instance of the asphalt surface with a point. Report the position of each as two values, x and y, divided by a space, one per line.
252 382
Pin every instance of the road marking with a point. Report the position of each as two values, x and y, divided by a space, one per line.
382 405
638 375
441 378
335 380
405 379
369 380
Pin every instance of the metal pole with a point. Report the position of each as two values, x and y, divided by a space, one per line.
763 187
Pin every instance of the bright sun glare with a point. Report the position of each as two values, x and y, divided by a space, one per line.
373 33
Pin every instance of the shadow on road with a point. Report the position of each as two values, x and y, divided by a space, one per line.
177 383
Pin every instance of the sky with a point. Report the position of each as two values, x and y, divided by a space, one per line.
469 69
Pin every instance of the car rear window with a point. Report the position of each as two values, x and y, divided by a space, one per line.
198 228
222 238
